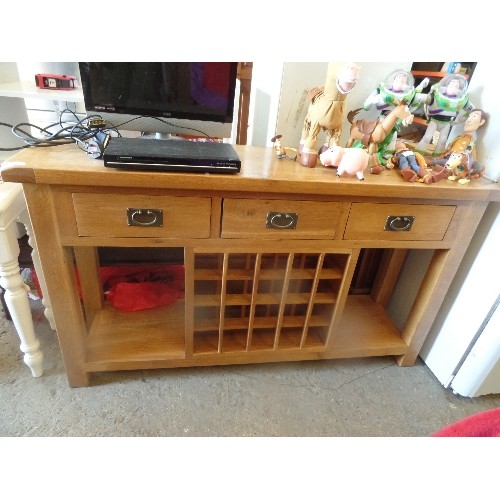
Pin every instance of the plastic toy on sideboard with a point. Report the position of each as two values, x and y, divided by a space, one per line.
412 164
460 156
278 148
396 88
326 110
282 151
446 104
372 135
352 161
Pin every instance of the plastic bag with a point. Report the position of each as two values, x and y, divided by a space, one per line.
138 287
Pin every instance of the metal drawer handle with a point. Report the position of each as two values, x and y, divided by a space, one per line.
145 217
399 223
281 220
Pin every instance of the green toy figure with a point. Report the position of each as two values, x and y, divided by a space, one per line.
447 101
398 87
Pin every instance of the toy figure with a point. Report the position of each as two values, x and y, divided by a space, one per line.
465 166
397 87
447 101
281 151
458 165
412 164
406 157
372 134
352 161
326 110
475 119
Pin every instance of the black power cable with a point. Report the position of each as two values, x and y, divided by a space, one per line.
91 133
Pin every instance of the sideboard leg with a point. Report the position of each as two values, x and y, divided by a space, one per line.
16 298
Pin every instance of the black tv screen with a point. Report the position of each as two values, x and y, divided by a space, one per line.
202 91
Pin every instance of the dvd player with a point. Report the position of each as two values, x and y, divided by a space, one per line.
172 155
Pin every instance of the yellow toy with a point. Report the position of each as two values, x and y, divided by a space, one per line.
459 158
326 110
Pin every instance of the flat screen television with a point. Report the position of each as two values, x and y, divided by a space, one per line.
184 98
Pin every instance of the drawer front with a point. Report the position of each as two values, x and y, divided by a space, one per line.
280 219
398 222
142 216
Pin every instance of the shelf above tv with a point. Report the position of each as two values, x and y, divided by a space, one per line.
29 90
434 74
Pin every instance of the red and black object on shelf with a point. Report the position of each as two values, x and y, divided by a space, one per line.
55 82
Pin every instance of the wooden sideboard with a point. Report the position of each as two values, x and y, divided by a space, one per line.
269 255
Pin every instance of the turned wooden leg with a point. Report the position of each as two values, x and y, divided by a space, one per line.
16 298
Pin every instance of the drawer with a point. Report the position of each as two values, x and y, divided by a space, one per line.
141 216
399 222
280 219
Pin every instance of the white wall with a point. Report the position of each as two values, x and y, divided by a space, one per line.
264 102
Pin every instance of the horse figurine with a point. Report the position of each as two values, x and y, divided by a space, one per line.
326 110
372 134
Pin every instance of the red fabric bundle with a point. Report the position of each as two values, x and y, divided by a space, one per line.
484 424
137 287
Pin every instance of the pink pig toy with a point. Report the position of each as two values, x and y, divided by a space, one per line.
352 161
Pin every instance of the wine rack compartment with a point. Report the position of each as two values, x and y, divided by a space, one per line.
249 302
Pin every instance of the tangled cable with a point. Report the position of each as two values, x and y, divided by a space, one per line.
84 132
55 134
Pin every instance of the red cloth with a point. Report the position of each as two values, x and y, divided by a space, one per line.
138 296
484 424
138 286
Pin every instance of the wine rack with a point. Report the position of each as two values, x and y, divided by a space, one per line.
246 302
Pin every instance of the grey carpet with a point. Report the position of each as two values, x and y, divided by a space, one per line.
354 397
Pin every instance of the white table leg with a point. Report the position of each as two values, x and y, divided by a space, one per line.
16 298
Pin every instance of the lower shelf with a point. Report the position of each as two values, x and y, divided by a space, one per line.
155 339
366 330
118 337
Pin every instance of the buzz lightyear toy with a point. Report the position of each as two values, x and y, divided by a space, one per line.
398 86
446 103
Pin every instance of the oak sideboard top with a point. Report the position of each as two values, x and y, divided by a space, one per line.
261 172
